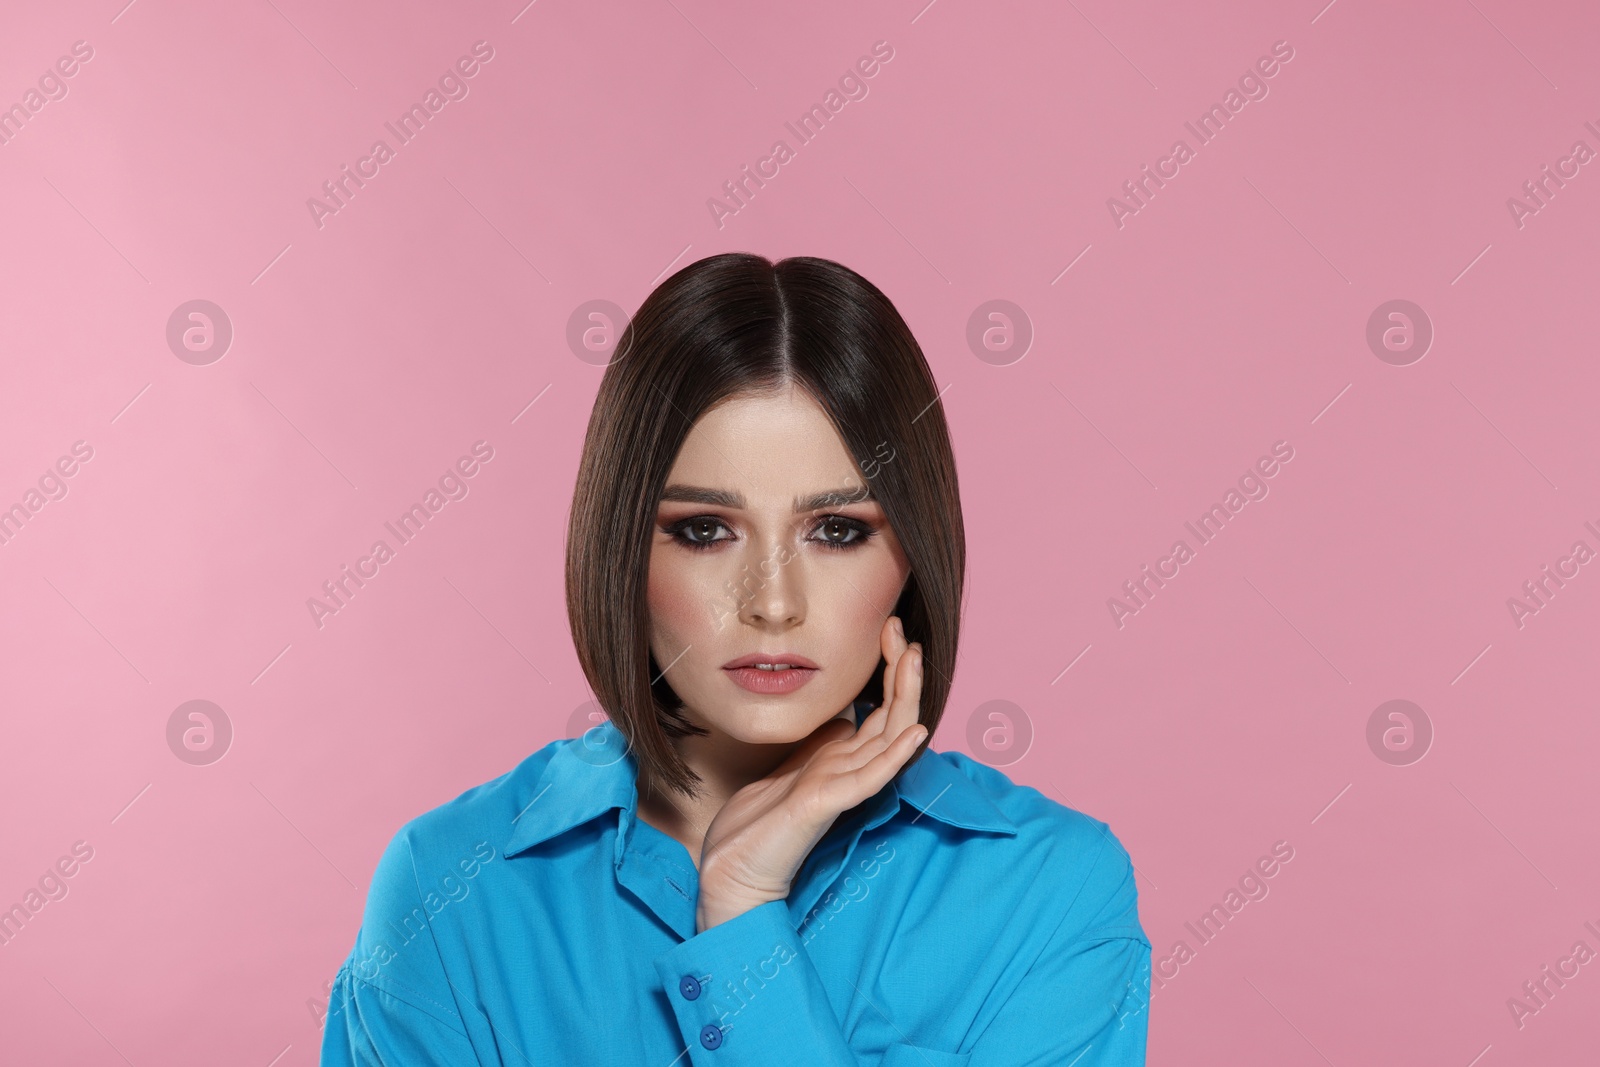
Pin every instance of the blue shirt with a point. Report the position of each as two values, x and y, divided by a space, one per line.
955 919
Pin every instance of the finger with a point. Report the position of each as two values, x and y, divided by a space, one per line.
874 773
893 641
835 729
894 646
854 759
890 722
907 706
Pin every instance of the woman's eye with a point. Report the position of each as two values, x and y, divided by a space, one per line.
839 532
698 532
702 531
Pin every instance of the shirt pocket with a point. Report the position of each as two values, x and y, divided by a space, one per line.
904 1055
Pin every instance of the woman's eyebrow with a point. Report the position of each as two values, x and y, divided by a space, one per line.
831 498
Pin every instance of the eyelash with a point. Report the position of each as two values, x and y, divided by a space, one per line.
863 530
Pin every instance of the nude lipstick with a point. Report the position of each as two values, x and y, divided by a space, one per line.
771 673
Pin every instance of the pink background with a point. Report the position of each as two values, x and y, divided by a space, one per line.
1229 313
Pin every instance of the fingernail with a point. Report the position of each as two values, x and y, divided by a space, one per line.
916 663
899 627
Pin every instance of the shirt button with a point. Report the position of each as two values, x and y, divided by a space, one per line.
689 987
710 1037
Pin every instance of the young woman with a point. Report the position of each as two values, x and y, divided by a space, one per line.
755 859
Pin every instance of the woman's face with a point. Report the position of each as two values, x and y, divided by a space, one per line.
751 556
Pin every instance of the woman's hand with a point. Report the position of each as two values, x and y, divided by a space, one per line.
757 842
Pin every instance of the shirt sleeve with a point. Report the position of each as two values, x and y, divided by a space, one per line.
746 987
391 1002
1086 999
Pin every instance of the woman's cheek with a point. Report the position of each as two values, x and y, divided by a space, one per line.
677 599
882 584
862 615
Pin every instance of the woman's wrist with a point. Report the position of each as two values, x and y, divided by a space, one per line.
715 908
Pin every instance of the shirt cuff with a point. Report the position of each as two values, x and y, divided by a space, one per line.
745 989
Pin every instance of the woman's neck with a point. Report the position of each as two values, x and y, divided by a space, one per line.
725 766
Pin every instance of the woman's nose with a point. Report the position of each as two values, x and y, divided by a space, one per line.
776 583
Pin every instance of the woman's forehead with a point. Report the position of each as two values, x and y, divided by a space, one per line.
765 447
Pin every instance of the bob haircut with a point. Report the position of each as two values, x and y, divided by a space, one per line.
736 325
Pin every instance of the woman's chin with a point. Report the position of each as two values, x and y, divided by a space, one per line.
764 723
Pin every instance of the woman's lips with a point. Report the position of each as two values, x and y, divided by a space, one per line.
757 680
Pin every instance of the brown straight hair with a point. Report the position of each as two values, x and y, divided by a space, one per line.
733 325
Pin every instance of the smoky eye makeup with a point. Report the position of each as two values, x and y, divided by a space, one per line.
843 532
833 532
698 532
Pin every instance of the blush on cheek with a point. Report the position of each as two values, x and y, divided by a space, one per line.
880 588
861 617
862 620
680 604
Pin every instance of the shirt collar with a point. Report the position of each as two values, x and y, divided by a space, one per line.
591 774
